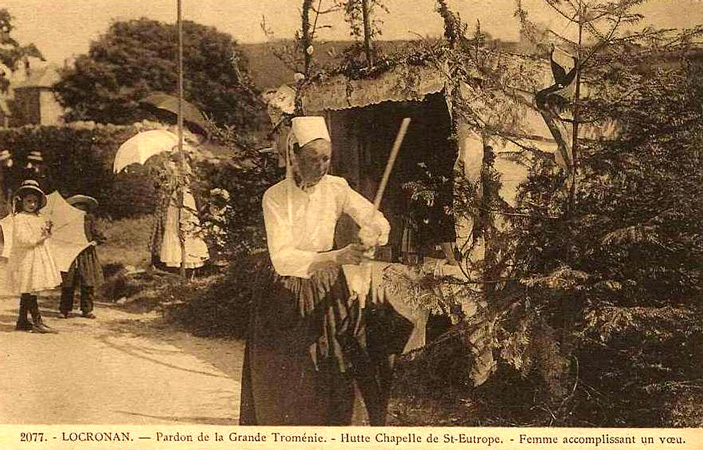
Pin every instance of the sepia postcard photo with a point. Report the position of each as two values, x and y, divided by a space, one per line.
357 224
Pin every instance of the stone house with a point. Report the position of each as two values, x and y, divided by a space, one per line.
33 98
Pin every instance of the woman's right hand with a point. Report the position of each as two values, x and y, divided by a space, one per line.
47 228
351 254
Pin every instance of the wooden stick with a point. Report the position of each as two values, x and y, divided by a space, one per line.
391 161
181 156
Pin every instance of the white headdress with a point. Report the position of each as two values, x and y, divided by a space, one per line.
304 129
308 128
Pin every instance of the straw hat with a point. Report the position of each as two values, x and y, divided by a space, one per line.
34 158
31 186
83 202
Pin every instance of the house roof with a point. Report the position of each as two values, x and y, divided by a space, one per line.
42 77
417 74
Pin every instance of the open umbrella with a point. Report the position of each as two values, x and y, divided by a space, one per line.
7 228
139 148
6 225
162 102
68 231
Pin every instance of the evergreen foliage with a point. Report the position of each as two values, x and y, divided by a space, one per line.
593 280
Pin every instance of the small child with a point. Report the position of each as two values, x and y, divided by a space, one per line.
31 266
86 269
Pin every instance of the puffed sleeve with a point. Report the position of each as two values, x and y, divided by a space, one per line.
364 213
286 259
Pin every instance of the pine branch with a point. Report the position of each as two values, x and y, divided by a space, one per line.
602 43
554 3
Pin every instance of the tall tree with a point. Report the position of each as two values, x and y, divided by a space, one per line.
137 57
12 53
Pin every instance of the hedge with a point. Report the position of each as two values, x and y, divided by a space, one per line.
79 159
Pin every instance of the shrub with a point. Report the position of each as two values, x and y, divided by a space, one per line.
230 191
79 158
222 308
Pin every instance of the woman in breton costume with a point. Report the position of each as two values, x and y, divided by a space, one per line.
165 243
306 347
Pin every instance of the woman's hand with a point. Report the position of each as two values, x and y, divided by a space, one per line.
370 235
46 231
351 254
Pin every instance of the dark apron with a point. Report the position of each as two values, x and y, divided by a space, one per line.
307 347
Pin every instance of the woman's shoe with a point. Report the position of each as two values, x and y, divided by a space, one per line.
43 329
39 326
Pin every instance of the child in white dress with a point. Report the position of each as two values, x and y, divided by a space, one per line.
31 267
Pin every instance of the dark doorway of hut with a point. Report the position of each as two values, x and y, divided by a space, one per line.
362 140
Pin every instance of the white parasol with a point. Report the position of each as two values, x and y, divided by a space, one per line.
68 231
139 148
7 228
6 225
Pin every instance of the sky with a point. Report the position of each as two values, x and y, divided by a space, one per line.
65 28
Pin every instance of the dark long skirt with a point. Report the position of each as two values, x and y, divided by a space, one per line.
304 338
85 268
309 345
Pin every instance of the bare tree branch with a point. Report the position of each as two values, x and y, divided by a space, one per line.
330 10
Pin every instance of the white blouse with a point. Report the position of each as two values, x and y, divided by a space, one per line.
300 224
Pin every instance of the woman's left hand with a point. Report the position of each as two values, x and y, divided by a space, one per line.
370 235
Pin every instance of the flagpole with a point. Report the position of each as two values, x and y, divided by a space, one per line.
181 156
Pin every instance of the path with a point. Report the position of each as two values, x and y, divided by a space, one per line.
121 368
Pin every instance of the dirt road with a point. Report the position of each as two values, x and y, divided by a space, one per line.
121 368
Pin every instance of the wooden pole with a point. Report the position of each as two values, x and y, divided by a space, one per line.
391 162
181 156
5 198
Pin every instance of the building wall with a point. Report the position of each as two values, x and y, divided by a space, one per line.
50 109
27 107
36 106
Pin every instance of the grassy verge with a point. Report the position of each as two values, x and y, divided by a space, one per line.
127 242
212 305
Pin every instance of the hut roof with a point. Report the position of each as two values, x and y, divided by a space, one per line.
410 75
398 83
